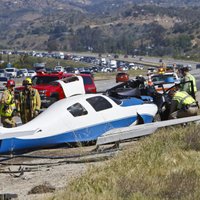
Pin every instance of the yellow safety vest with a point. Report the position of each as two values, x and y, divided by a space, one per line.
183 99
7 107
191 78
187 86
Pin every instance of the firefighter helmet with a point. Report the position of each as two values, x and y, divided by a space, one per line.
10 83
27 81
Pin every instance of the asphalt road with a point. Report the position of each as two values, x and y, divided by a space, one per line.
102 85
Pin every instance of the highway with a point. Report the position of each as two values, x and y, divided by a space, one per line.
102 85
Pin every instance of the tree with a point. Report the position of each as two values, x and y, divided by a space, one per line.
52 45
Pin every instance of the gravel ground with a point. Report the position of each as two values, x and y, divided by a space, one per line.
35 178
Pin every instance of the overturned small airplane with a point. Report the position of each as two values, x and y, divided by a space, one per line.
80 118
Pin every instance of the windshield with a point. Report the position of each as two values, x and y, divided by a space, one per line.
87 80
163 78
54 83
23 70
38 80
10 70
3 79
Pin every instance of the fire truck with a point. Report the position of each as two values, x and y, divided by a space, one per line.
51 90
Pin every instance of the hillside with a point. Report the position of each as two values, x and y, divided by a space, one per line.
154 27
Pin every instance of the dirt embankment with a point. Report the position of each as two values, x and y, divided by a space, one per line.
37 174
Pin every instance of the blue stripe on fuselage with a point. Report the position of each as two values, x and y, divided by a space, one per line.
79 135
131 102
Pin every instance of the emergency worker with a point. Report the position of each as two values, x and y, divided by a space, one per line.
182 105
29 102
175 67
187 87
8 106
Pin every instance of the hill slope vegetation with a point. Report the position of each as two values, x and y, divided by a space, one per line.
129 26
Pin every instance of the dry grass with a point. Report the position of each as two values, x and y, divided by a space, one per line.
165 165
192 140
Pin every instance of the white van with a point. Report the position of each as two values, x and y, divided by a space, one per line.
11 72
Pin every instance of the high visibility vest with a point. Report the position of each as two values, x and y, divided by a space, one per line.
183 99
6 108
191 78
187 86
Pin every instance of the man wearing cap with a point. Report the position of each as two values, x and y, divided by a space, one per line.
8 105
29 102
187 87
182 105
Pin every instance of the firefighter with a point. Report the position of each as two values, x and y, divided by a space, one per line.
182 105
7 107
187 87
29 102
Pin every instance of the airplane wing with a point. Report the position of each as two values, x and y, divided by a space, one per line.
120 134
17 134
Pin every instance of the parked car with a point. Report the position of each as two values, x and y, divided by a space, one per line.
3 73
59 69
141 67
106 69
24 71
122 77
69 69
122 68
31 73
11 72
151 70
20 74
132 66
3 81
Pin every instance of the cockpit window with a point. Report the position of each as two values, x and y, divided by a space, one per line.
99 103
77 110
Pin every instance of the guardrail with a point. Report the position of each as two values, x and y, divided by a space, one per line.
118 135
